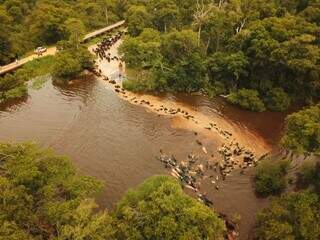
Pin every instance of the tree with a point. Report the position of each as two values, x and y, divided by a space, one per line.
158 209
138 18
142 52
76 31
277 100
309 175
270 178
282 53
44 197
183 67
12 87
227 68
201 16
5 43
66 66
47 23
164 14
292 216
247 99
178 45
302 130
187 75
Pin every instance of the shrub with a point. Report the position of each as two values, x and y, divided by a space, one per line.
8 82
270 178
42 195
292 216
309 175
12 87
247 99
14 93
66 66
277 100
139 85
85 58
38 67
159 209
302 131
140 81
70 63
215 89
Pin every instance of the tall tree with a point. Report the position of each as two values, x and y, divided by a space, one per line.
158 209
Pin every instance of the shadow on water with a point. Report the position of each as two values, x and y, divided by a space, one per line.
13 105
117 142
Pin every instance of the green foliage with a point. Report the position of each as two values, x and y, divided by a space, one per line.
5 43
227 68
42 196
174 60
247 99
270 178
214 89
292 216
142 52
71 62
28 24
302 130
38 82
277 100
158 209
165 14
256 44
309 174
138 18
35 68
188 75
66 66
282 50
76 31
12 87
14 93
138 85
85 58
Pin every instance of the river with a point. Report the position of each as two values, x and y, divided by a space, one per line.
116 141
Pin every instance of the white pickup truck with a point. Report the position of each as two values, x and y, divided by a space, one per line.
40 50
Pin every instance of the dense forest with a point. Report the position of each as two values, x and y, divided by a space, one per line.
28 24
258 54
261 54
43 197
265 54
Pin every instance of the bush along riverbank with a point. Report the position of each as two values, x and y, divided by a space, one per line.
293 212
43 195
14 86
69 63
265 59
66 65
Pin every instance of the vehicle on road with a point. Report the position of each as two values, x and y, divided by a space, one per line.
40 50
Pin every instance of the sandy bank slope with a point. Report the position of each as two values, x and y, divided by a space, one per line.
213 126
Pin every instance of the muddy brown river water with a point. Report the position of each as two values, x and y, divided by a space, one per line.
115 141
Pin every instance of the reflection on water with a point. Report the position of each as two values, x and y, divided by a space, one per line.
117 142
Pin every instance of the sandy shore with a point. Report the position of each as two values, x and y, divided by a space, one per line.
213 127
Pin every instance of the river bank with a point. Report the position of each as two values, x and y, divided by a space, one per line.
117 140
182 116
222 145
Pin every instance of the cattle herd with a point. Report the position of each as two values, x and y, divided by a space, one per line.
194 169
105 45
